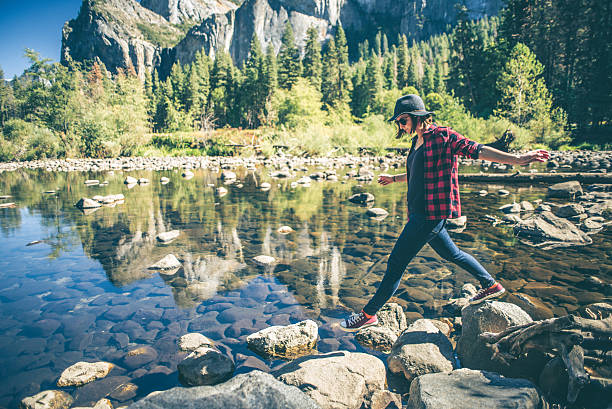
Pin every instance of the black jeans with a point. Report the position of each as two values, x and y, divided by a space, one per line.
418 232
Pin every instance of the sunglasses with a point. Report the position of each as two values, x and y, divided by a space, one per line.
402 121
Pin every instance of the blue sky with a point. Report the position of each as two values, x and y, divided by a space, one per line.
35 24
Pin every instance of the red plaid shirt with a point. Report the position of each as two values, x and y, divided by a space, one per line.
441 169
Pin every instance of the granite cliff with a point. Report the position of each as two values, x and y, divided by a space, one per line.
157 33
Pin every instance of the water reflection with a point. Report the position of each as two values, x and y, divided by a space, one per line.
85 291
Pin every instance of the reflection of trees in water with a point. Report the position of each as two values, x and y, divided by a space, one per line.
331 270
201 277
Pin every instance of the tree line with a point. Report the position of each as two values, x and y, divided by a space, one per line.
523 67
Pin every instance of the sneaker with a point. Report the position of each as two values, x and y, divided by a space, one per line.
494 291
358 321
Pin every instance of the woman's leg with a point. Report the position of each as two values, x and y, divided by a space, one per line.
415 235
446 248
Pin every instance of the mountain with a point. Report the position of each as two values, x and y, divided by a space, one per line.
157 33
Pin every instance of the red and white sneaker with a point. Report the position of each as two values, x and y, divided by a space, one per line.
358 321
494 291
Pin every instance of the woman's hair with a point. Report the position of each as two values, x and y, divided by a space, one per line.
417 121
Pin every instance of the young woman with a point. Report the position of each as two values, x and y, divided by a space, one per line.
433 197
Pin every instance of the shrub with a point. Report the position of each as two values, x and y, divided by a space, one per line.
23 140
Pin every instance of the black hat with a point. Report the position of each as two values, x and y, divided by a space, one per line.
409 104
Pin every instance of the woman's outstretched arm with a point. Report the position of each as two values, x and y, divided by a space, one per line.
494 155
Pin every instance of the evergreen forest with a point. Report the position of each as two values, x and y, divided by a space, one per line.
542 69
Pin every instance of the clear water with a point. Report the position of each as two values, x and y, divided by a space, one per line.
84 292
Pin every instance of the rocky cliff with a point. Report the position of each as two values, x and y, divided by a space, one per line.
157 33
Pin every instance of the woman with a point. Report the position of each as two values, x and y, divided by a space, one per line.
433 197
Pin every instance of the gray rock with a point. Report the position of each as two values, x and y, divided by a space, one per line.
168 236
469 389
569 210
392 315
511 208
205 366
129 180
228 175
338 379
547 229
191 342
253 390
264 260
567 190
422 348
284 341
526 206
86 203
51 399
83 372
167 263
361 198
377 212
489 316
379 338
139 357
456 223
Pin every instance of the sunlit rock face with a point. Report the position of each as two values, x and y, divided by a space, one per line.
158 33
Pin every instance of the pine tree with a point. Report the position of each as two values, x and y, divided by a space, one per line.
289 62
403 62
312 58
428 84
359 96
373 83
253 88
344 78
177 79
524 94
330 80
7 100
390 71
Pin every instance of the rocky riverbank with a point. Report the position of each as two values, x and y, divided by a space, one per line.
424 371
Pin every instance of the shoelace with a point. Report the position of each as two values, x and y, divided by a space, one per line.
353 319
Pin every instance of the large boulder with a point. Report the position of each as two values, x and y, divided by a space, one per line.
205 366
546 229
253 390
469 389
490 316
422 348
338 379
391 322
289 341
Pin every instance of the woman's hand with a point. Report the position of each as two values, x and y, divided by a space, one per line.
539 155
385 179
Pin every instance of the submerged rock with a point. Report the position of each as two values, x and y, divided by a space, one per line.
285 341
51 399
83 372
264 260
205 366
469 389
192 341
338 379
253 390
377 212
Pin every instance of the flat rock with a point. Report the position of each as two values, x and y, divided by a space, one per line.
83 372
547 230
378 338
192 341
50 399
361 198
138 357
469 389
167 263
422 348
377 212
129 180
569 210
205 366
456 223
253 390
338 379
284 341
284 230
168 236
